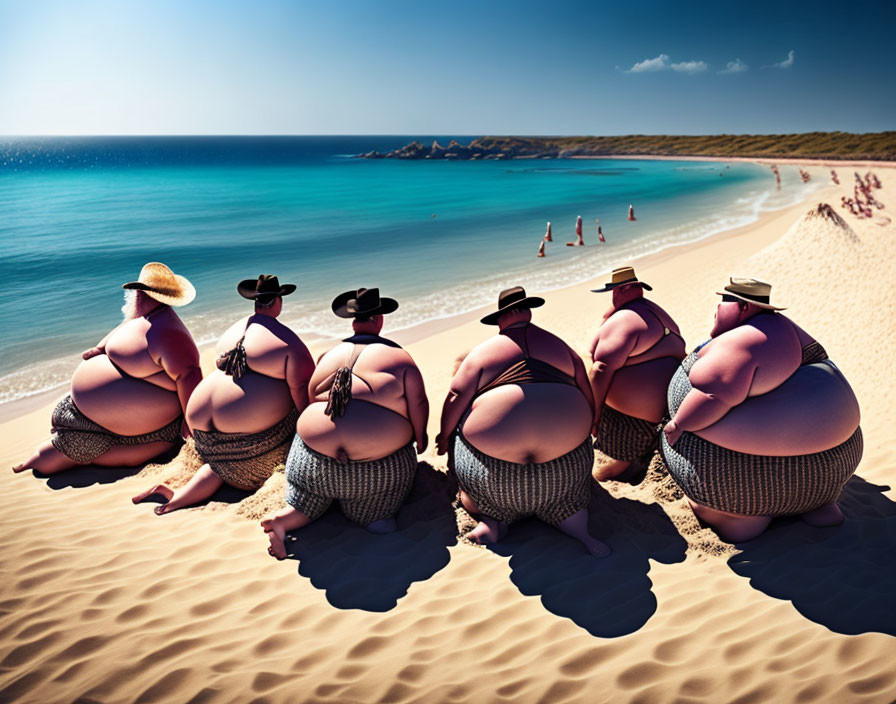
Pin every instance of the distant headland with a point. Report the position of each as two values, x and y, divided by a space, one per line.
877 146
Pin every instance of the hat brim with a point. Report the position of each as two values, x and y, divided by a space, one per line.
246 289
767 306
340 306
527 302
610 287
186 295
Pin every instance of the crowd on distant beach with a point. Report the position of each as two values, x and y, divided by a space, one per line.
734 421
863 201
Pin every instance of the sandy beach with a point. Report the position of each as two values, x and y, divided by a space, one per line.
103 601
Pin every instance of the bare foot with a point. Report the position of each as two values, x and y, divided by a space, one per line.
827 515
276 535
487 531
19 468
386 525
159 489
608 471
576 526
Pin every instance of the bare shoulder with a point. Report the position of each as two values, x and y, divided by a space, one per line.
170 330
625 321
289 336
804 337
743 338
232 334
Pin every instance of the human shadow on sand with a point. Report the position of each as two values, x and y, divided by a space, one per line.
360 570
86 475
607 597
842 577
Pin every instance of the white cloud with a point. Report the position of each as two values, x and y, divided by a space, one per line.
736 66
660 63
689 66
786 63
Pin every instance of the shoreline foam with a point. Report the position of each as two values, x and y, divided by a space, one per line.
105 601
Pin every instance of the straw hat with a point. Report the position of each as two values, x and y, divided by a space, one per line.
620 276
266 286
511 299
162 284
363 303
750 291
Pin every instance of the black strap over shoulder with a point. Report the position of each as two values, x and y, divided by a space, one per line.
235 361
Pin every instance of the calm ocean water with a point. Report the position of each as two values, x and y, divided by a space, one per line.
80 216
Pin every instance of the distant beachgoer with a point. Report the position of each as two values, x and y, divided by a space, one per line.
355 439
547 235
600 234
517 422
631 213
834 177
243 415
128 396
763 424
541 248
635 352
579 242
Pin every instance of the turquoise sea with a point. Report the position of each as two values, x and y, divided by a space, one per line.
80 216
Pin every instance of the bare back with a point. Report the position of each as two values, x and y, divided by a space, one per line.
777 406
377 420
524 423
278 364
132 388
642 346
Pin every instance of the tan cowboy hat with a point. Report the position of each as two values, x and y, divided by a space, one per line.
162 284
511 299
750 291
620 276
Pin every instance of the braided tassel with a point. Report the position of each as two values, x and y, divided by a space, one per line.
340 393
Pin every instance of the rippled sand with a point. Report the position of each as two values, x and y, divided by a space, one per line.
103 601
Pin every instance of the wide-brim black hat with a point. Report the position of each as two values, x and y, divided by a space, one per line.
265 286
363 303
511 299
621 276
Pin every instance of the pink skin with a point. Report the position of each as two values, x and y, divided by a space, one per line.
280 367
161 362
388 409
633 362
751 395
511 422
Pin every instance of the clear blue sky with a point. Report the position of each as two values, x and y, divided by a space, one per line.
461 67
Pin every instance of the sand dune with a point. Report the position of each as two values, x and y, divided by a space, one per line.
104 601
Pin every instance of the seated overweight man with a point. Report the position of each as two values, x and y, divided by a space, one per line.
763 423
635 352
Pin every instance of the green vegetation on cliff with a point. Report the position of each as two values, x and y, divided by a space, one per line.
811 145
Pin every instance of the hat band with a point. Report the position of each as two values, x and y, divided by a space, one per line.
752 297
